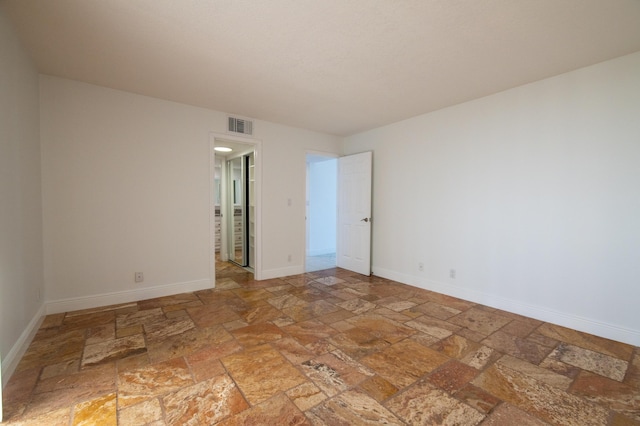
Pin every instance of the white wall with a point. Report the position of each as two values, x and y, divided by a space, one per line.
322 177
126 188
21 282
532 195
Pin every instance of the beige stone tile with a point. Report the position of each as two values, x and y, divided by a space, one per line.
520 328
257 334
405 362
539 373
292 350
357 306
426 340
210 315
477 398
560 367
135 386
507 414
618 419
278 410
252 295
163 327
261 372
352 408
436 310
543 340
452 302
595 362
63 368
260 313
132 362
399 317
204 403
617 396
480 321
632 377
471 335
335 372
452 376
88 320
339 315
176 313
54 320
587 341
423 404
101 333
329 280
342 326
97 411
378 388
546 402
517 347
63 391
381 327
63 347
138 318
428 328
110 350
285 301
129 331
456 346
61 417
309 331
352 333
17 392
310 310
306 396
396 304
144 413
185 343
357 342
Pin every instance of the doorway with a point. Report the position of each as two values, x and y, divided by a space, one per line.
240 208
321 212
235 206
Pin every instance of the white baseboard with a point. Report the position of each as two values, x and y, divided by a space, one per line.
106 299
13 357
586 325
321 252
282 272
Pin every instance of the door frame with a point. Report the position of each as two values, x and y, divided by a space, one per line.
257 145
328 155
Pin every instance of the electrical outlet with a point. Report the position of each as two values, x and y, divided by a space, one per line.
421 267
452 274
139 277
289 258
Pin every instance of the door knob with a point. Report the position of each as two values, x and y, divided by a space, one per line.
366 219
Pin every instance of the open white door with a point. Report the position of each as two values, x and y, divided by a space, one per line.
354 213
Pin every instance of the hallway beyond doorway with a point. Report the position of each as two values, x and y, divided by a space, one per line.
320 262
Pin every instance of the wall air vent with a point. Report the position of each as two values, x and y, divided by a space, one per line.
239 125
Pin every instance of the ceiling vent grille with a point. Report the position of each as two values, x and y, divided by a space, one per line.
239 125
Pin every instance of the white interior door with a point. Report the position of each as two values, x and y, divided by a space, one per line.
354 213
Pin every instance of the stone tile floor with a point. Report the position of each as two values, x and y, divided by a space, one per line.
330 347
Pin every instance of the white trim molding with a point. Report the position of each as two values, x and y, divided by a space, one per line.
585 325
282 272
127 296
13 357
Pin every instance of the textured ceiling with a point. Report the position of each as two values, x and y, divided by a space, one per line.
334 66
